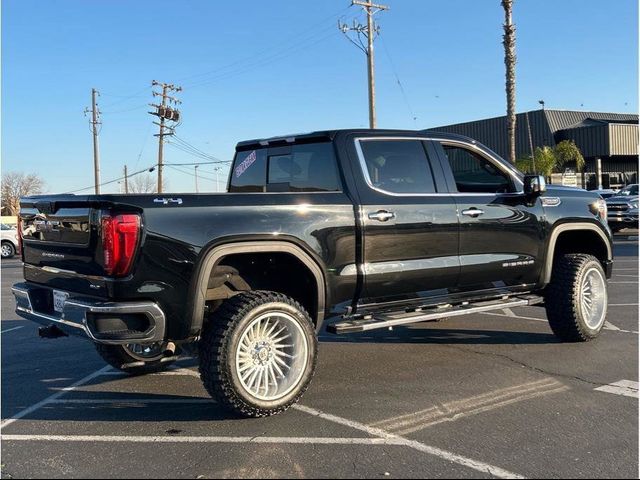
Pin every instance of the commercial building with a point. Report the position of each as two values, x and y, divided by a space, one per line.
610 137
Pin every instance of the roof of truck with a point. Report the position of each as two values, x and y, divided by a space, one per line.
328 135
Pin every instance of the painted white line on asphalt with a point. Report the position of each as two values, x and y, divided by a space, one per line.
132 401
421 447
55 396
457 409
626 388
624 281
625 269
623 305
623 275
508 312
196 439
607 326
486 408
11 329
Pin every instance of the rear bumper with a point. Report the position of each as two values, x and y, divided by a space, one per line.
113 323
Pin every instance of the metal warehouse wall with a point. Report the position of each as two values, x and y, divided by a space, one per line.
623 139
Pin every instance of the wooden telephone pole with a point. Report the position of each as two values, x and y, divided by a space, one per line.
369 32
95 121
165 113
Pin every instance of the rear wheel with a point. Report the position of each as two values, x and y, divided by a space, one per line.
135 358
576 299
7 250
258 353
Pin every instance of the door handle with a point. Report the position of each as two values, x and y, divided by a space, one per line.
473 212
382 215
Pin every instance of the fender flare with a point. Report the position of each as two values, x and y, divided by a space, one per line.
213 256
567 227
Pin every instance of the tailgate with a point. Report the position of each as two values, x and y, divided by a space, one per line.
61 232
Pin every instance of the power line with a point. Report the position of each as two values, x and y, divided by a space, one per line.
295 37
149 169
395 73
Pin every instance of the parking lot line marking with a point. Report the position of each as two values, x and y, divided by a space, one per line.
610 326
450 408
623 305
623 281
55 396
414 444
11 329
614 329
624 275
134 401
203 439
626 388
626 269
448 417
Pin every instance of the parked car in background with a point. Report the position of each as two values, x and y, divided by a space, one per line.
606 192
623 208
9 238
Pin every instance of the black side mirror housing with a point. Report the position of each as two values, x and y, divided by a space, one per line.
534 185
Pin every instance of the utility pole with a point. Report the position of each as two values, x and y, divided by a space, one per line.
165 113
217 170
95 121
369 32
126 180
195 168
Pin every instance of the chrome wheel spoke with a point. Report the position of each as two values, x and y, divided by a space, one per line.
271 356
593 298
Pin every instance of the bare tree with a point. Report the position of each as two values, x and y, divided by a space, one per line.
509 42
145 183
16 185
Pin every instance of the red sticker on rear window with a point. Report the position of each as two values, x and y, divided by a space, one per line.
246 163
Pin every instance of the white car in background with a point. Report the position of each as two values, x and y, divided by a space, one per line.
9 241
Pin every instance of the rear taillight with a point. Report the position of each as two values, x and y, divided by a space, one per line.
120 235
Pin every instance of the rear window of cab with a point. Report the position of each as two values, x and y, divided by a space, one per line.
298 168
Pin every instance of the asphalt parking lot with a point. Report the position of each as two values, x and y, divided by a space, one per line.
492 395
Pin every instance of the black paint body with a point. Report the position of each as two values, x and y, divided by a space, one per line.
428 251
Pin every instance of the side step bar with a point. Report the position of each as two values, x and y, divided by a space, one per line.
423 314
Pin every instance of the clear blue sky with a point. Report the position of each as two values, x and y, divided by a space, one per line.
254 69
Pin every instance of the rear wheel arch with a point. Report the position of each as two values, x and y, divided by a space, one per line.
215 257
580 237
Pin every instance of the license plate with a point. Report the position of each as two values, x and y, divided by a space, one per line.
58 300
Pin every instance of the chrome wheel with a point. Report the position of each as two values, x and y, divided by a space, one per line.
146 352
6 250
272 356
593 298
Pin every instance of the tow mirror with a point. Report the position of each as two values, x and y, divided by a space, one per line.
534 185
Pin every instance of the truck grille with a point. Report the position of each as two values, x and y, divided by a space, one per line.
618 207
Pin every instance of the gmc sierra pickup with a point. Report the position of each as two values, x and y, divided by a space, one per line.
351 229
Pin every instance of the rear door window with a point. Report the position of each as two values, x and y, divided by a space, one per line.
397 166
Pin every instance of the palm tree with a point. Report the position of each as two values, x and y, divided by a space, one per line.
509 42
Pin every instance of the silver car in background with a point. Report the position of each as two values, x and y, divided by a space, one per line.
623 208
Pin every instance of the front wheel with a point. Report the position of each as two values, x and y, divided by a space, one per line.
7 250
576 298
258 353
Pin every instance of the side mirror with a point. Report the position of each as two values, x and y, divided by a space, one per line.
534 185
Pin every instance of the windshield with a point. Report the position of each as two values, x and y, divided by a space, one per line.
629 190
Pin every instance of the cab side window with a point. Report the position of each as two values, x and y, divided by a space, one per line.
475 174
398 166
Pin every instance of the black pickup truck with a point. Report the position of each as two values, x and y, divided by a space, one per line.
351 230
